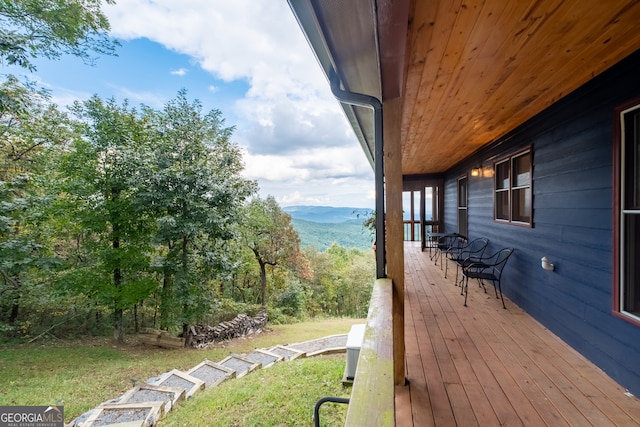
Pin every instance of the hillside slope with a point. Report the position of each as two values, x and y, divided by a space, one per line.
321 226
349 234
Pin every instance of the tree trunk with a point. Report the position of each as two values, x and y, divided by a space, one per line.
165 300
186 331
118 330
187 335
136 327
15 284
98 318
155 308
263 282
15 309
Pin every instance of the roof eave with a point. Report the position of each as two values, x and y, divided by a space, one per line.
316 31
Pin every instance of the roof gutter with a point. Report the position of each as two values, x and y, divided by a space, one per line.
374 103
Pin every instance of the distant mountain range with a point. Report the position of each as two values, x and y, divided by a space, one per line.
327 214
321 226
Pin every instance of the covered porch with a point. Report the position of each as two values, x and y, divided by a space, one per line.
486 366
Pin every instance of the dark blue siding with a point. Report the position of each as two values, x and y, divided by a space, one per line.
572 145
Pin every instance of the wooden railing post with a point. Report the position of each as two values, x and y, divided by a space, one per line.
372 397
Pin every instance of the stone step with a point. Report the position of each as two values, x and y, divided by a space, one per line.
239 364
154 393
264 357
176 378
211 373
145 414
287 353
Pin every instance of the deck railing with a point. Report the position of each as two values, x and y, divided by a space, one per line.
372 396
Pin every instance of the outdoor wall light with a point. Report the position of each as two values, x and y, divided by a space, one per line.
476 171
546 265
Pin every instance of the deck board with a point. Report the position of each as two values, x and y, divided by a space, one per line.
483 365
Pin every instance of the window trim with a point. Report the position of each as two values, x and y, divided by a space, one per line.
466 204
509 158
619 211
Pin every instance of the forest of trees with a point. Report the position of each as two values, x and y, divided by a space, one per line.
114 218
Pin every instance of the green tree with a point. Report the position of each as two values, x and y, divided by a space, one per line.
51 28
100 192
195 188
356 274
31 131
270 235
342 281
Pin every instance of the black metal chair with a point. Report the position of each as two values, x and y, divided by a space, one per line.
486 268
445 243
463 254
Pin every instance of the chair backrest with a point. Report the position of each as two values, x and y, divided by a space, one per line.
502 256
458 242
450 241
475 248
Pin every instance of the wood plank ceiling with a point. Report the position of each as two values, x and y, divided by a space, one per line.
476 69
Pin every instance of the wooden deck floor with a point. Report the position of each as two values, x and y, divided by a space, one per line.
483 365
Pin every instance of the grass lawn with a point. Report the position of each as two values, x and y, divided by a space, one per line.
83 374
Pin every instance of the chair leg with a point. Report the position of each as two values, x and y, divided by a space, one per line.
482 285
436 252
466 290
446 268
500 289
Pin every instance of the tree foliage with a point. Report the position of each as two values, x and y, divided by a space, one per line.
342 281
269 234
51 28
141 214
195 189
99 192
31 131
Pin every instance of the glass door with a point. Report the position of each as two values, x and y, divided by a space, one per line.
411 208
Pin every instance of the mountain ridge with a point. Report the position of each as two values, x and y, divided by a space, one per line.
327 214
322 226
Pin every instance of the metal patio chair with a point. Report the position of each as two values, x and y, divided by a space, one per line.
487 268
465 254
445 243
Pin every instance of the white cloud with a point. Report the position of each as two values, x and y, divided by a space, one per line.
178 72
298 141
258 40
330 164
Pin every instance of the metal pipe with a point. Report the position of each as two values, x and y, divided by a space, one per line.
316 410
374 103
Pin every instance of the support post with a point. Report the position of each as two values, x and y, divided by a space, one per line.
394 227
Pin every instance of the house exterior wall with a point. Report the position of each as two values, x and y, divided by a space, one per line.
573 199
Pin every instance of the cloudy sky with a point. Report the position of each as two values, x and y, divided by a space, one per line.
248 59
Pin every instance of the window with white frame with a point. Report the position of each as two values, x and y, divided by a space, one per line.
629 220
512 186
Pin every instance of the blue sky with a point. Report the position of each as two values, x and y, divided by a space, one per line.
248 59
